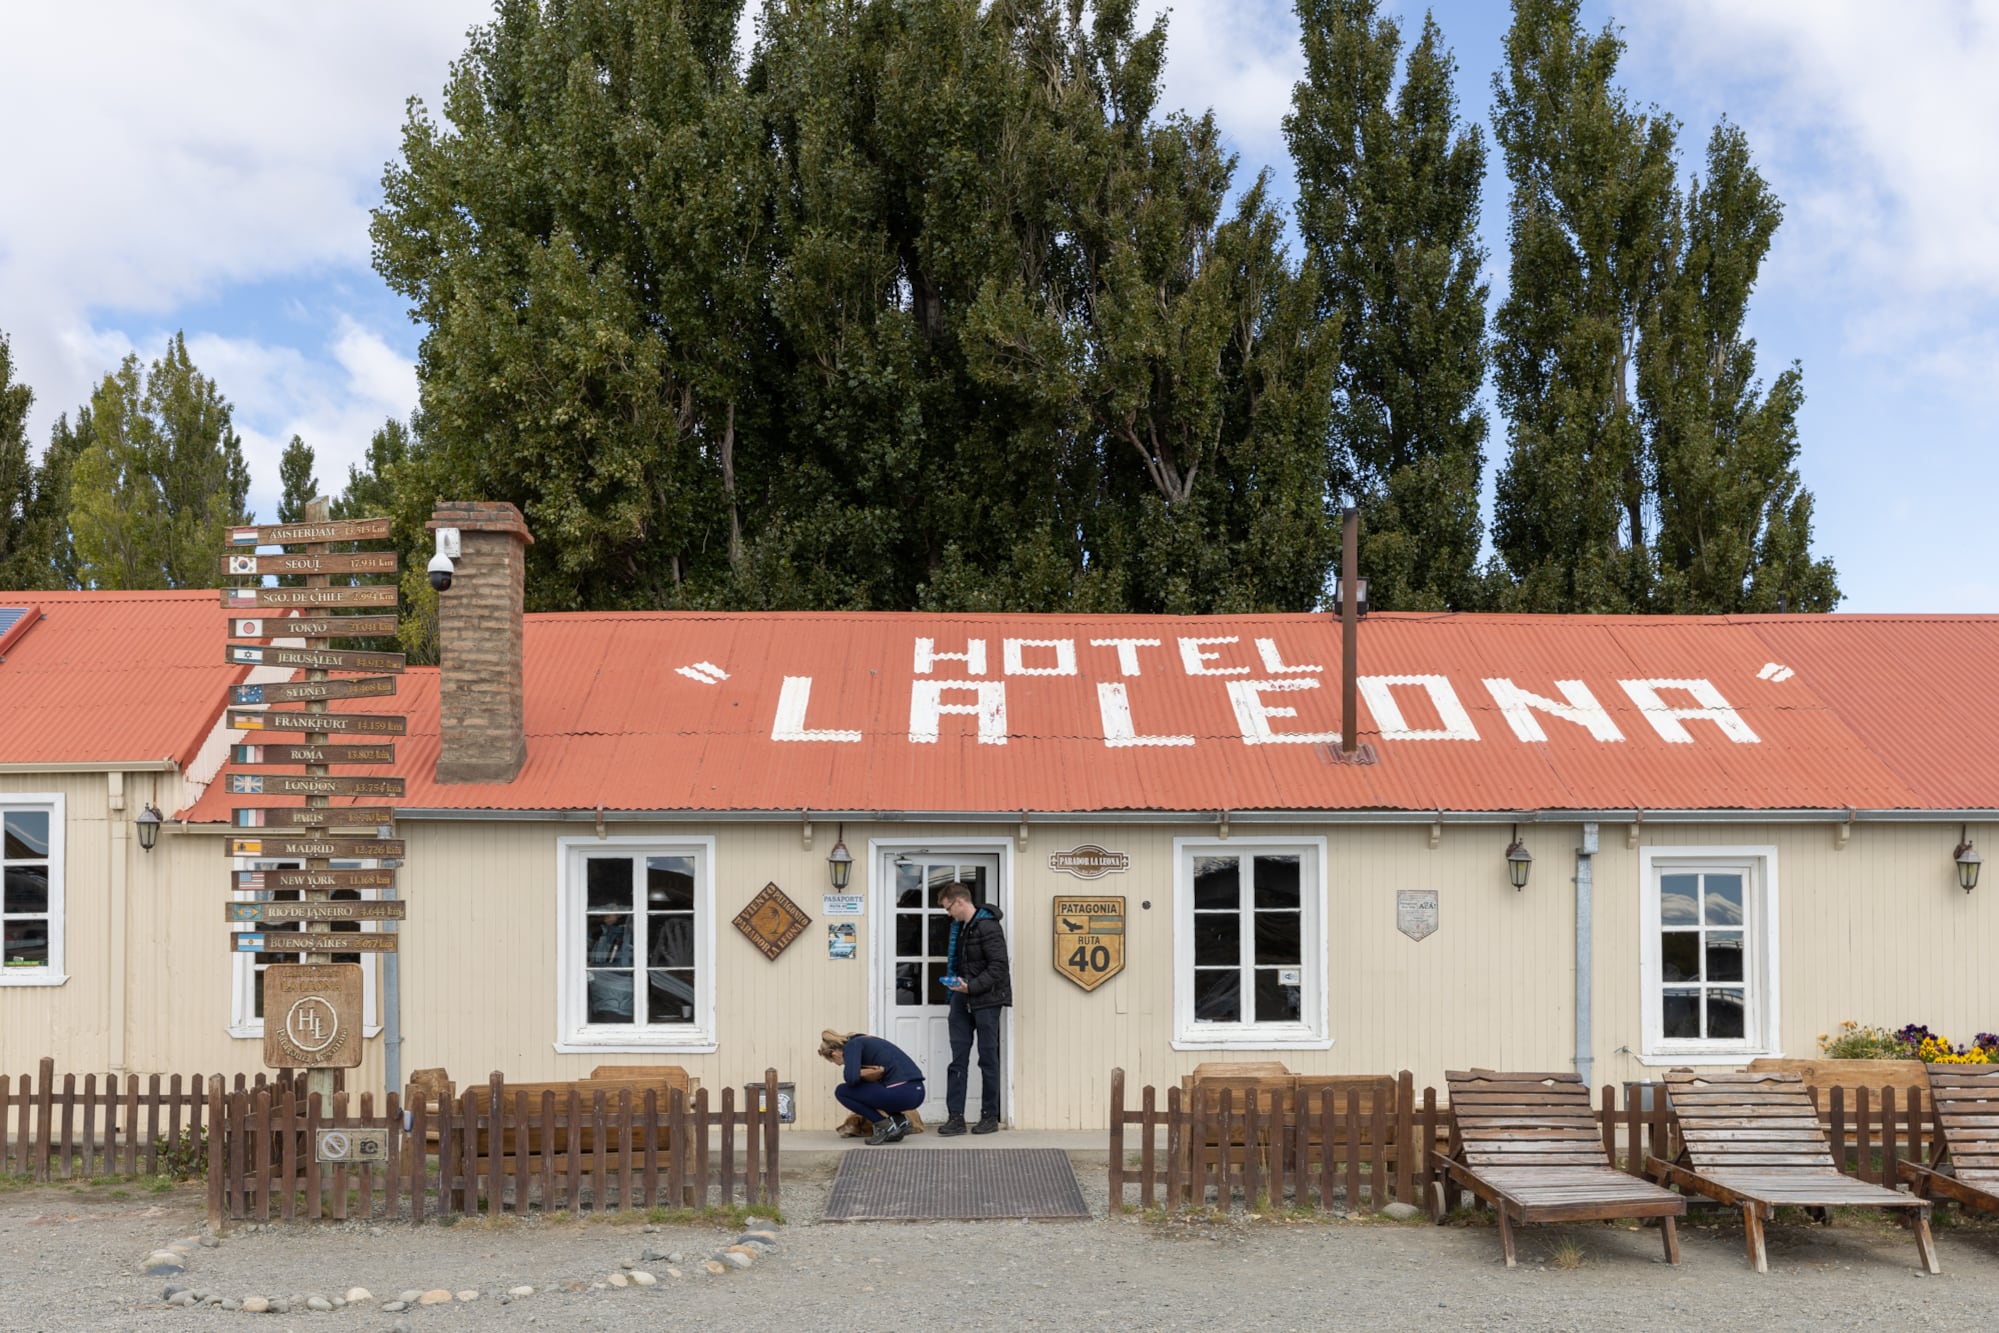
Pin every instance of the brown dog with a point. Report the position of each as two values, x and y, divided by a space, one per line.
855 1127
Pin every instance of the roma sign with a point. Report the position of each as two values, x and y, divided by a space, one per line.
1089 939
312 1014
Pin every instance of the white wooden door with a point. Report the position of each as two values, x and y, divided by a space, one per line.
917 933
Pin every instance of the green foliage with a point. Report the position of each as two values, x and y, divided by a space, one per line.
161 479
1645 471
927 308
185 1158
297 485
1854 1042
34 498
378 489
1388 206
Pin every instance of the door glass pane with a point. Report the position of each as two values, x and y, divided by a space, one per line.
1680 955
1275 1001
1217 882
670 995
934 992
1277 937
909 983
1275 879
610 996
1724 900
908 885
1677 895
1725 1014
27 833
670 883
1724 955
1217 995
608 883
1217 939
27 889
940 934
1682 1014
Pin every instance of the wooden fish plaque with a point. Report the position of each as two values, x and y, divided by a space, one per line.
310 627
314 816
357 562
289 534
304 691
246 599
377 724
771 921
274 784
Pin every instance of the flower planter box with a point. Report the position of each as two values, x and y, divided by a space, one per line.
1904 1076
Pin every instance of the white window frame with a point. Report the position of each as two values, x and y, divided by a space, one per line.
573 1033
1313 1033
1758 865
244 1025
52 804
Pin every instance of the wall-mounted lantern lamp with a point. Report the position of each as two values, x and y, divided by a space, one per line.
840 862
148 823
1519 861
1968 860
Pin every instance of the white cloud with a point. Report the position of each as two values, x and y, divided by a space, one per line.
1241 59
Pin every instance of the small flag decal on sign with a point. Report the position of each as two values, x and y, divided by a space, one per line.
242 564
245 654
250 941
250 881
246 784
246 629
242 536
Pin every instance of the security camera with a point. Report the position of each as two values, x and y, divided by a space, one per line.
440 568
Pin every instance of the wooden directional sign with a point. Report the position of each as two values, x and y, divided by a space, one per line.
304 691
261 784
315 659
248 599
310 627
253 881
289 534
314 816
355 849
376 724
1089 939
359 562
394 909
312 1013
290 941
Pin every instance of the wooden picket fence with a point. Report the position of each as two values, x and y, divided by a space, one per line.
1349 1151
69 1129
489 1151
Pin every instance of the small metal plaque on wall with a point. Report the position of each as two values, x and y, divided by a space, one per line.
1416 912
772 921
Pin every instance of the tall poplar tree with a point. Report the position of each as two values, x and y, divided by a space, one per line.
161 479
1388 205
296 485
17 474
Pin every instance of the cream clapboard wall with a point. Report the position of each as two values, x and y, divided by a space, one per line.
1877 931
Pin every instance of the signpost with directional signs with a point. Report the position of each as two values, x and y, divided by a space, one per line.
312 1009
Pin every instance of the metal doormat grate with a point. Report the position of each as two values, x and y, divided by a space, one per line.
954 1185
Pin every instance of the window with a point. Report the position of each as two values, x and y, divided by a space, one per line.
637 949
1250 944
247 1000
1709 960
31 882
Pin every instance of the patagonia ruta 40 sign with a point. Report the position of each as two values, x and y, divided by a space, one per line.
1089 939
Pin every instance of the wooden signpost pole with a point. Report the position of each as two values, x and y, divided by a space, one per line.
319 1082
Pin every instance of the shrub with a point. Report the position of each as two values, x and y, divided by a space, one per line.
186 1158
1914 1041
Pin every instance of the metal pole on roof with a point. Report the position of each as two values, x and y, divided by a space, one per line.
1349 626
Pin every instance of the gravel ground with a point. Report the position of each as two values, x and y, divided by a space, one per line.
71 1259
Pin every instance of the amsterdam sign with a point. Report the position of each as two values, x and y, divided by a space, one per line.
318 941
287 534
244 599
305 691
358 562
1089 939
302 627
314 816
272 784
391 909
356 849
312 1013
379 724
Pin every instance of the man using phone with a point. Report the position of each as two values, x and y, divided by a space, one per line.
976 974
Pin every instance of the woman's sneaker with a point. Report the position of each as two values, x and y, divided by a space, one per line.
884 1132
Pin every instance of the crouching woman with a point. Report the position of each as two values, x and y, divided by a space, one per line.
880 1082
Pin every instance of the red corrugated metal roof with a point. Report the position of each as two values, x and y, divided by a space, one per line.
113 677
684 711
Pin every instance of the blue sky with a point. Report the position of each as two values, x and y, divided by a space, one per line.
212 167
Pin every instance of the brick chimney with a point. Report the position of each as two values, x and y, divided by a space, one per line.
479 637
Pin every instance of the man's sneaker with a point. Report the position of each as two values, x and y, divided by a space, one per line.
987 1125
954 1126
884 1132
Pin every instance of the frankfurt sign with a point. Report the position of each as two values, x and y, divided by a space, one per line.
1089 939
312 1014
378 724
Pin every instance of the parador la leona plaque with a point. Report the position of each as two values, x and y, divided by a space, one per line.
772 921
1416 912
1089 939
1090 862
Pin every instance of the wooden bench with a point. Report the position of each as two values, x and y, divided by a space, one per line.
1754 1141
1531 1146
1964 1156
1822 1076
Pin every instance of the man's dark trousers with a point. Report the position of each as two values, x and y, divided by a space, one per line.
967 1022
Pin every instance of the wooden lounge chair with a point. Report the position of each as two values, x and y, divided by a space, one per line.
1966 1100
1530 1145
1753 1141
